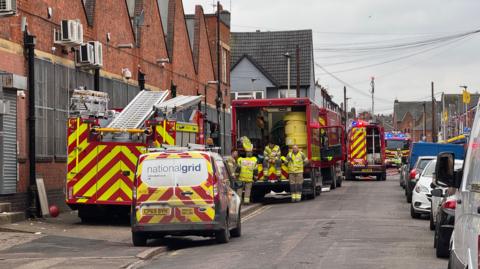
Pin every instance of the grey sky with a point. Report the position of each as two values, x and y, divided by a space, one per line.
339 22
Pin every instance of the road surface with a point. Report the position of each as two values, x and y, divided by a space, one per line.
364 224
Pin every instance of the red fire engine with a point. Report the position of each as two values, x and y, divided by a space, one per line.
317 131
104 146
366 151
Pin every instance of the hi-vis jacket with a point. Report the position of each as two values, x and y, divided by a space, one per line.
247 166
296 162
272 154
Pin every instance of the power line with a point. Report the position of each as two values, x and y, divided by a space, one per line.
397 58
348 84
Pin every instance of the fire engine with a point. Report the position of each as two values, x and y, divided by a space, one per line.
397 148
104 145
366 151
288 121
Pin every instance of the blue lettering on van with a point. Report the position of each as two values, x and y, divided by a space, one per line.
174 168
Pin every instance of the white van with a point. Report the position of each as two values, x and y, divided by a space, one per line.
464 245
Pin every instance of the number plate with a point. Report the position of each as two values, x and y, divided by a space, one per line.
157 211
186 211
367 170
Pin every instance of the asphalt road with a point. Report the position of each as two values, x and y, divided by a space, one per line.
364 224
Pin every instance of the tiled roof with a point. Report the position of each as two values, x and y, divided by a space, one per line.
267 49
415 109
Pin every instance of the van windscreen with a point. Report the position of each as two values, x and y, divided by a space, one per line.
174 172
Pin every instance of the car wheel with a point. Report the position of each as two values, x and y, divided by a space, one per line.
442 246
139 240
450 261
237 232
223 236
414 214
409 197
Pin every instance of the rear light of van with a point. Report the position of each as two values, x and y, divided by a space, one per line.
215 192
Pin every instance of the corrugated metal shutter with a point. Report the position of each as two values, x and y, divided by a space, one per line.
8 177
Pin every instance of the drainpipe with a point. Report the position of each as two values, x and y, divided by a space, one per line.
29 46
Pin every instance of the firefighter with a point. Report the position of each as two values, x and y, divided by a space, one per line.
272 155
247 167
296 161
232 163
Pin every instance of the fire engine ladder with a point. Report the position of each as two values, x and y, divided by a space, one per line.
178 104
138 110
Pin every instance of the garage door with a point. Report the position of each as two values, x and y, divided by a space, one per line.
8 145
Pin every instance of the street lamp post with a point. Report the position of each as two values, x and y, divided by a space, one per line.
288 71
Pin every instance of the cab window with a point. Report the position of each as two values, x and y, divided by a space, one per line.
174 172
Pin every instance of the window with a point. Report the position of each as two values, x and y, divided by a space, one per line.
247 95
287 93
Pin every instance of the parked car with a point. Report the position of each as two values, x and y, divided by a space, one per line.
464 243
183 192
420 203
444 225
422 194
414 175
439 196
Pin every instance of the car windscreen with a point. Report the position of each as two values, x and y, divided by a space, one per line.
174 172
397 144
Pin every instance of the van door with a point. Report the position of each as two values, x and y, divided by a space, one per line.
467 217
175 188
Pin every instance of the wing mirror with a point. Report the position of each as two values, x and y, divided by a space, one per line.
445 174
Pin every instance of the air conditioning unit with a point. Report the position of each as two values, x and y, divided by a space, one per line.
70 34
84 55
8 7
97 53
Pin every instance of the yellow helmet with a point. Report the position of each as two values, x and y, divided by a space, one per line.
247 145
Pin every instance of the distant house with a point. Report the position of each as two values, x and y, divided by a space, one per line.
453 113
260 64
411 118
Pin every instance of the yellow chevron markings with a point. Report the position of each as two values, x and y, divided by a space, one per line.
167 138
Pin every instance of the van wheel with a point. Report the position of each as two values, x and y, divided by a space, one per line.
237 232
139 240
223 236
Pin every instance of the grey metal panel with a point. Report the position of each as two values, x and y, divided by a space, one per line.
8 177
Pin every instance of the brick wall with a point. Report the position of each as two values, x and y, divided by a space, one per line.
109 16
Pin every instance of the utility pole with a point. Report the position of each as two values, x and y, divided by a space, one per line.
373 102
298 70
466 107
434 123
424 136
444 119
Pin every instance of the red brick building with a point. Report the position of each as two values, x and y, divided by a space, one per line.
135 35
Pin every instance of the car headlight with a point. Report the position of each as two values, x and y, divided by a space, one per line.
420 188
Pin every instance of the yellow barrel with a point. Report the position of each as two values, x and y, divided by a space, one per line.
295 116
295 127
296 139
